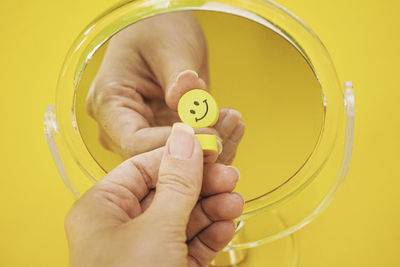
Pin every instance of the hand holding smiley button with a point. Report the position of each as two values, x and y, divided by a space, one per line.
198 109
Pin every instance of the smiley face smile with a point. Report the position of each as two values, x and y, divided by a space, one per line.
194 112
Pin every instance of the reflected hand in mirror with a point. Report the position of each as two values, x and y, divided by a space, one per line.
147 67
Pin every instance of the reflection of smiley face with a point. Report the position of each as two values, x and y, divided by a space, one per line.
198 109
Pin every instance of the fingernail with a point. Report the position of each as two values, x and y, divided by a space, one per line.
240 196
235 113
186 72
238 132
219 144
181 141
236 170
229 122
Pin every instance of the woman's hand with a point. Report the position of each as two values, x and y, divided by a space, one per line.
161 208
147 68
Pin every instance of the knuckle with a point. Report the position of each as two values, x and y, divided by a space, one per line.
179 183
105 91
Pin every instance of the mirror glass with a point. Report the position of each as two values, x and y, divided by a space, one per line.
252 69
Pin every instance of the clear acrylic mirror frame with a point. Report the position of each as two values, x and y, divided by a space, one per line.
328 163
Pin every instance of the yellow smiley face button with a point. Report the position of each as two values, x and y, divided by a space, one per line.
198 109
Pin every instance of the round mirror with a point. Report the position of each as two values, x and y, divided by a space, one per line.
254 70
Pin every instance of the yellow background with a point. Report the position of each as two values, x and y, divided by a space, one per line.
359 229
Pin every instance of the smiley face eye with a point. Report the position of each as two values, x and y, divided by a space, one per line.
192 111
196 103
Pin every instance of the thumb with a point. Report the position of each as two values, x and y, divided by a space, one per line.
176 52
180 177
180 83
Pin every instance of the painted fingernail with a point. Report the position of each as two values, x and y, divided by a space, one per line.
181 141
236 170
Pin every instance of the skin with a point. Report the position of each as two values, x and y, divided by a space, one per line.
167 204
147 67
160 208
